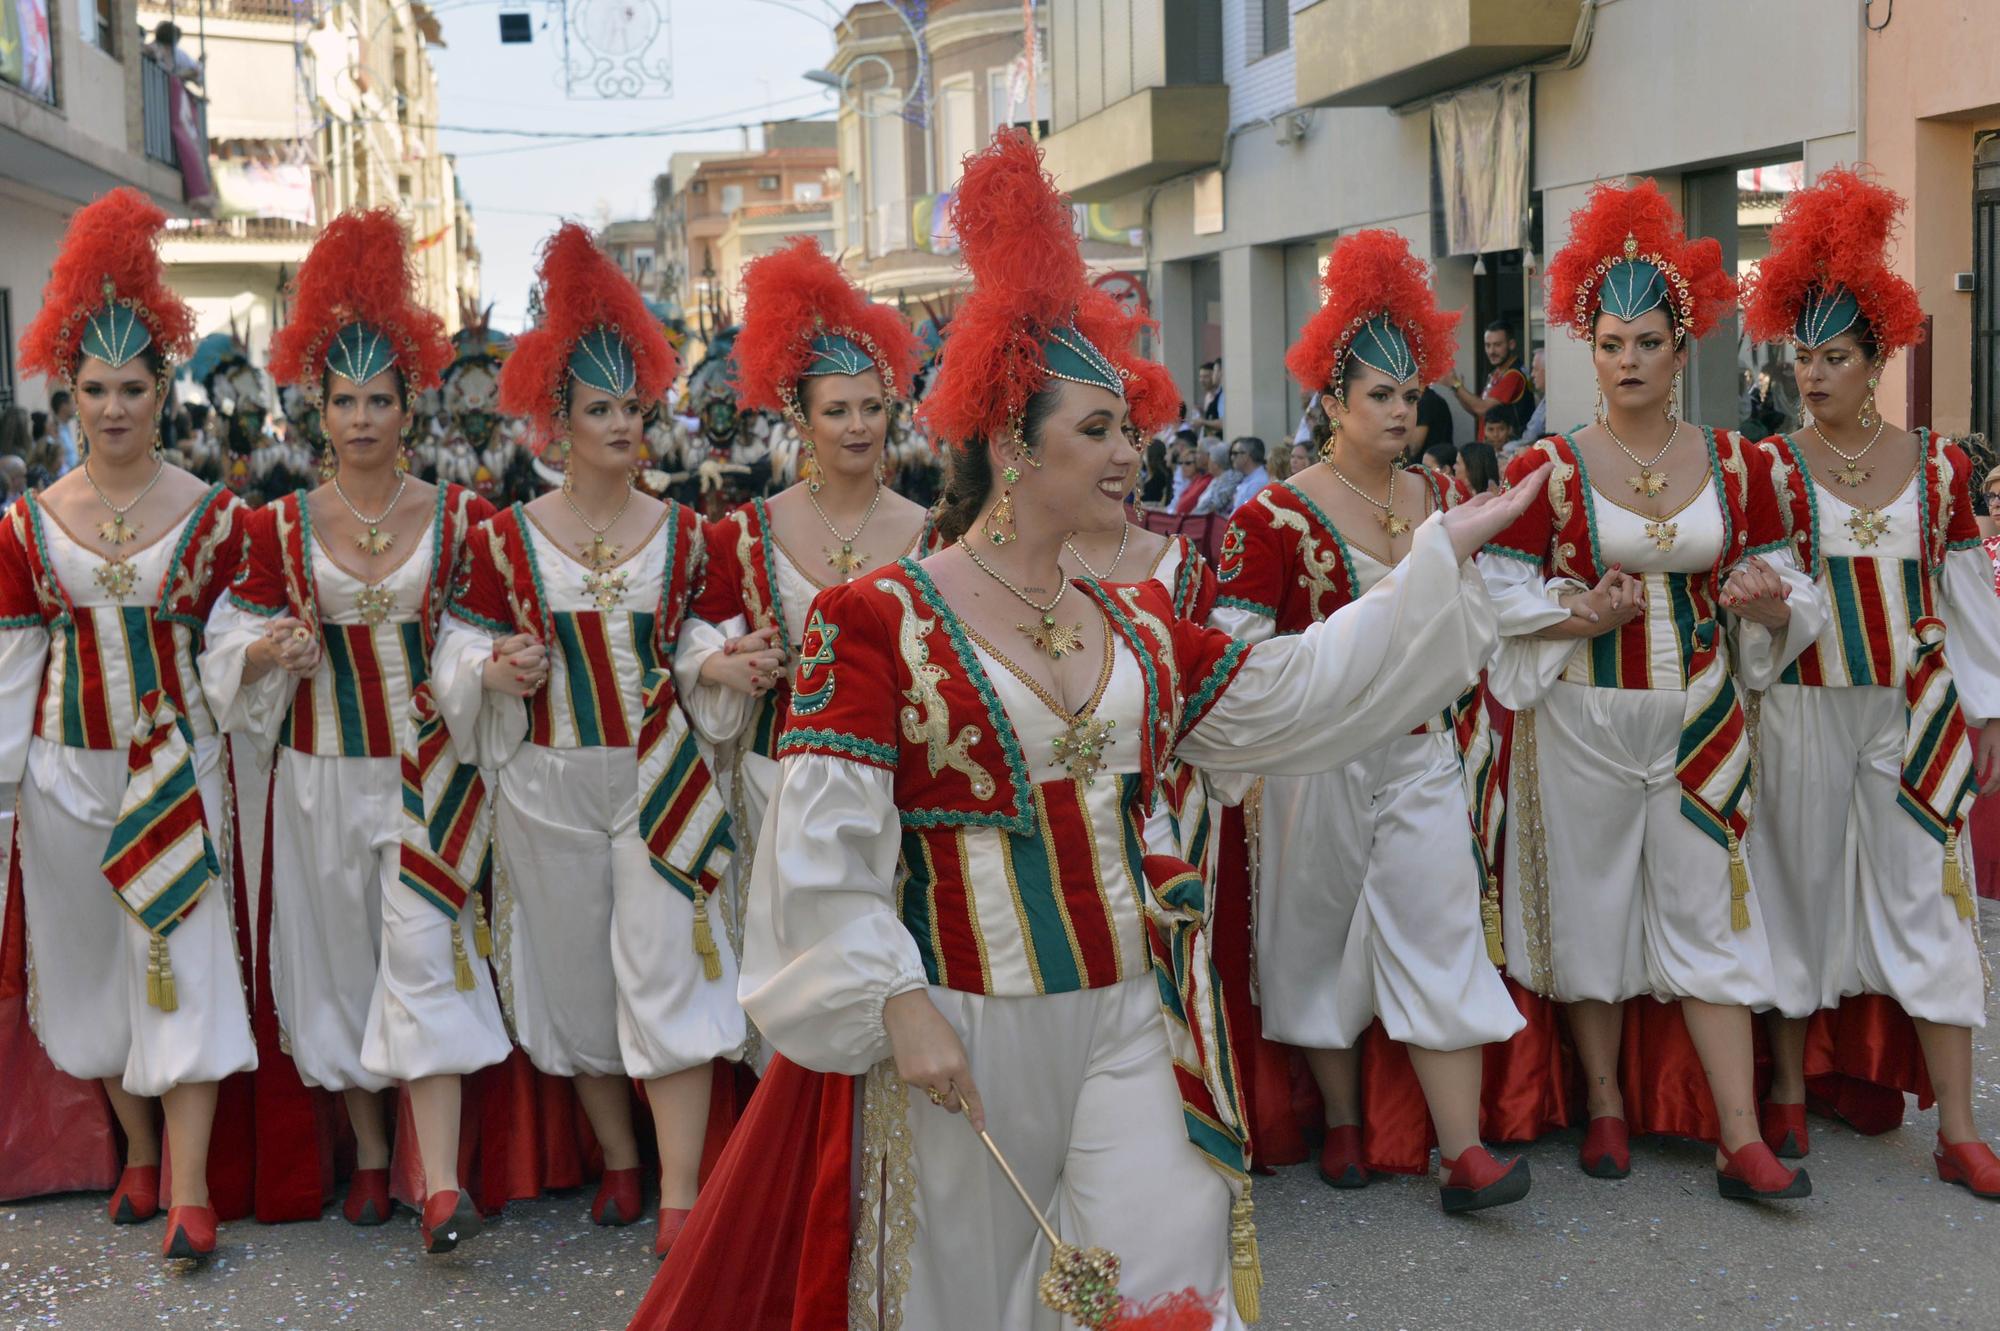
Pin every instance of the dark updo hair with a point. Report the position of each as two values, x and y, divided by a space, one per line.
968 472
1482 466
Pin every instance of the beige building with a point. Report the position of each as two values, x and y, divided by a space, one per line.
906 126
314 110
1245 135
83 109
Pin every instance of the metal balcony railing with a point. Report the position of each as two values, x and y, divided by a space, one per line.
157 100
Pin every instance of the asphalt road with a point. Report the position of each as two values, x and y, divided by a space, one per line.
1881 1243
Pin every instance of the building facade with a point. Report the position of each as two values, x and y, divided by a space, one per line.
84 108
1244 136
315 109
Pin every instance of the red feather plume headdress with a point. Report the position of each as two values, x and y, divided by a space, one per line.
793 294
1372 274
583 291
109 254
1834 234
1018 238
1619 223
359 272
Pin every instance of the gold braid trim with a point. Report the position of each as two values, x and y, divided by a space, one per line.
885 1221
1532 885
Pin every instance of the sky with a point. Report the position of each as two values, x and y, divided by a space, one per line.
732 61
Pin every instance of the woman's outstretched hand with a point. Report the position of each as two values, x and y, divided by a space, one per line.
1479 519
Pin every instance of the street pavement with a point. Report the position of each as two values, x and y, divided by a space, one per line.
1881 1243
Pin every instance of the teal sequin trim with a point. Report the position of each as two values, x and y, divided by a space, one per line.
252 608
1245 604
839 743
1219 674
1493 548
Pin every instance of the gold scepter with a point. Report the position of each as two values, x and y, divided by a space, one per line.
1083 1282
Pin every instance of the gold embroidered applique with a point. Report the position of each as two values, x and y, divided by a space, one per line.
926 720
374 605
117 577
1869 525
878 1275
1663 534
1316 561
1082 749
605 588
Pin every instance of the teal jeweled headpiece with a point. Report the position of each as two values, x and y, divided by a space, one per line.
836 353
602 359
1071 356
358 353
1381 344
1824 314
1631 284
115 333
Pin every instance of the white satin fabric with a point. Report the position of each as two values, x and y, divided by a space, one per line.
1638 896
87 955
1368 893
594 950
1852 885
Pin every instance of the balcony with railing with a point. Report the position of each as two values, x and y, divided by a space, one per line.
156 90
1386 52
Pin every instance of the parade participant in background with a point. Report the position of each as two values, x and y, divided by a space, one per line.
1629 794
1873 740
124 824
1507 395
1372 881
318 650
833 364
950 893
553 667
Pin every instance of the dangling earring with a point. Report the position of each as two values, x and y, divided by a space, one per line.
328 463
1868 413
1601 418
809 469
1332 437
999 524
1674 398
562 447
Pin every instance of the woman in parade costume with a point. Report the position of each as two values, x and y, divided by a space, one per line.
106 581
320 646
952 892
1629 791
1373 889
815 349
1875 738
554 667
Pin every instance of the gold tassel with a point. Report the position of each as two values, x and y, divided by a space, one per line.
482 932
153 970
1739 887
461 965
1954 877
1489 915
1246 1266
704 938
169 1001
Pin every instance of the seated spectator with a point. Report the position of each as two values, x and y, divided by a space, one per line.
1442 456
1220 496
1246 458
1302 457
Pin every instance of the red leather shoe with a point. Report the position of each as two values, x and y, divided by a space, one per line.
1784 1129
368 1201
1607 1149
617 1201
190 1233
137 1199
1753 1174
672 1221
1475 1181
449 1219
1340 1161
1971 1165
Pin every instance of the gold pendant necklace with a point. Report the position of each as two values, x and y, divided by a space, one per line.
1648 482
374 541
844 561
1853 475
118 531
598 554
1868 525
1110 568
1392 522
1053 639
1081 750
